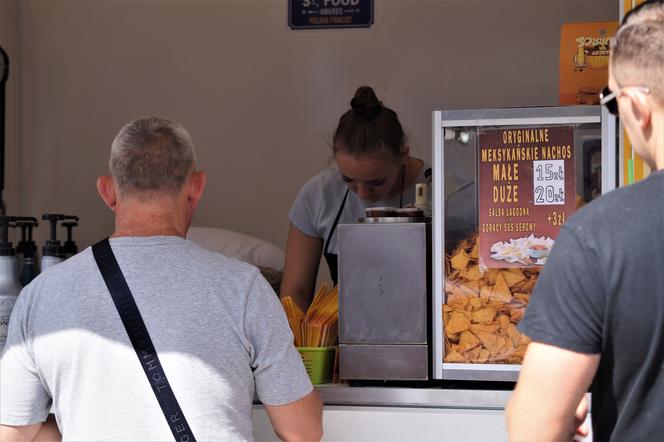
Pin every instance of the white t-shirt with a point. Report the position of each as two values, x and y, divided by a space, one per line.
218 328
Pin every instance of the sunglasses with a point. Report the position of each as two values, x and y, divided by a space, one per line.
609 98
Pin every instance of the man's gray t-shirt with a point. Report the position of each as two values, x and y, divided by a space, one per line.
218 328
319 200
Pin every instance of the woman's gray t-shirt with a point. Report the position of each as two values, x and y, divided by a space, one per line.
319 200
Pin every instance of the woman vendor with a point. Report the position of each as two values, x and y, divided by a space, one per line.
373 169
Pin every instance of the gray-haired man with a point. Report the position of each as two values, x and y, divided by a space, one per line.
598 307
216 324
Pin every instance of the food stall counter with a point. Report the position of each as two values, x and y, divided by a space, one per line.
403 413
414 397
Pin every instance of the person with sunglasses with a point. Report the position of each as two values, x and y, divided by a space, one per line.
373 168
597 312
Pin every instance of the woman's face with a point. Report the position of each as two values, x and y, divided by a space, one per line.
371 178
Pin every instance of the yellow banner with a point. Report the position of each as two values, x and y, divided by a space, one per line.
634 168
584 61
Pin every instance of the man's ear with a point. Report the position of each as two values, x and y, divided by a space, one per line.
640 108
106 189
195 187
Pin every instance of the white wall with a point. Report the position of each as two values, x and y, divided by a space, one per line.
259 99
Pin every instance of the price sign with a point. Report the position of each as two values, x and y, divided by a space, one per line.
526 192
549 182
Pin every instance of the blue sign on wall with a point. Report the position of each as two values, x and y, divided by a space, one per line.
308 14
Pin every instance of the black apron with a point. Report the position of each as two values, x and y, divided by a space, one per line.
331 258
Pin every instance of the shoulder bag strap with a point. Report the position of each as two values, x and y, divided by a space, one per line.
140 339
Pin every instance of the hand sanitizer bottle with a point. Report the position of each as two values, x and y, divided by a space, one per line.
9 285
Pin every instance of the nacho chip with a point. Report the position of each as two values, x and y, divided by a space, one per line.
497 304
507 351
472 355
457 300
475 252
504 322
468 341
470 288
485 292
473 273
488 340
497 346
460 260
501 290
458 323
453 356
468 314
484 355
513 276
490 276
474 303
514 335
485 315
484 328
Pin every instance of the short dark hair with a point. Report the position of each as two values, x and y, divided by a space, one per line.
637 49
369 129
151 155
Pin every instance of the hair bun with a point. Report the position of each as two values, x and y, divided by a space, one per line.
365 104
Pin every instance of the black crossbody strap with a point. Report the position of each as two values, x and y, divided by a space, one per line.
140 339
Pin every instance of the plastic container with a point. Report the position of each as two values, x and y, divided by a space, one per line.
380 212
319 362
409 212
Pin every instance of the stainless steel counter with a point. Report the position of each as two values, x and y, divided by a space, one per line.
414 397
395 414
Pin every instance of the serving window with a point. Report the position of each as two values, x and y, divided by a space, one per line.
505 180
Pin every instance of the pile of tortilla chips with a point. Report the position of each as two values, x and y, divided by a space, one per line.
483 307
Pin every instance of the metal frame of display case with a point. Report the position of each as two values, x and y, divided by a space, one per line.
497 117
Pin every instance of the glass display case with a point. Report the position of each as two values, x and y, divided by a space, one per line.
505 180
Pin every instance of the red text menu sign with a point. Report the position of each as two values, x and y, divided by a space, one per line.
526 192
